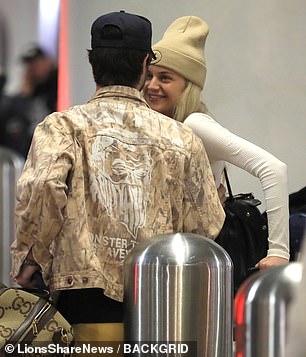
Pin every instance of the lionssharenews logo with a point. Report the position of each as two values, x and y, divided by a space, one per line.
56 349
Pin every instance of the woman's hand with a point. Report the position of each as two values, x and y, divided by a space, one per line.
271 261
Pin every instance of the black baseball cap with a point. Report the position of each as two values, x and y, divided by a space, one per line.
136 32
32 53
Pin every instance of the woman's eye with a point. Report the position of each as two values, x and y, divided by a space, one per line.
149 76
165 79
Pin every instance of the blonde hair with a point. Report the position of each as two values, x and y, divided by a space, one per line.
189 102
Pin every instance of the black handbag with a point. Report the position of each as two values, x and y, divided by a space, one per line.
244 234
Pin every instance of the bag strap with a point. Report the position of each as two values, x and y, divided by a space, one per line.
229 189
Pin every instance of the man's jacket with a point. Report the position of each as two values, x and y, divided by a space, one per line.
103 176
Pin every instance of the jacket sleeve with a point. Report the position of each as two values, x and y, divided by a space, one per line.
203 209
42 194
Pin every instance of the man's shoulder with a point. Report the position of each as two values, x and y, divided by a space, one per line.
174 129
165 121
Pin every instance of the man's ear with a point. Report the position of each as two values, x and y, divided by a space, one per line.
144 73
146 60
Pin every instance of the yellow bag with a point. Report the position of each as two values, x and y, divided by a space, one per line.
28 320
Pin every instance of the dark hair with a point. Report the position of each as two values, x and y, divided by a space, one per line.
116 66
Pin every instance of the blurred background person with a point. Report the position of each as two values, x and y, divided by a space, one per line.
21 112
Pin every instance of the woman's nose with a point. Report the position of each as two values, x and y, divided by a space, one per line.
152 83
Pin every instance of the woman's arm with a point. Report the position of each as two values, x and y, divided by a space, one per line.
222 145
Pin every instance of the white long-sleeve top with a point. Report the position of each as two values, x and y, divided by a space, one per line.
223 146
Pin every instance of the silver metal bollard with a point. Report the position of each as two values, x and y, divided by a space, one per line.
261 306
11 165
178 288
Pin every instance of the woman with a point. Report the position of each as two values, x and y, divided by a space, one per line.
173 87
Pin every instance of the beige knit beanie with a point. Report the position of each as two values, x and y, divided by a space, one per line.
182 48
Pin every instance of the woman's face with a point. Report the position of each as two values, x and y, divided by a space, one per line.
163 89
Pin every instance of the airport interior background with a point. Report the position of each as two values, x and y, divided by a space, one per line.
255 54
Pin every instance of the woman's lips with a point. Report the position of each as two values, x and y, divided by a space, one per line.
154 97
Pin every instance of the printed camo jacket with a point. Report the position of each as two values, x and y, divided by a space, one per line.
103 176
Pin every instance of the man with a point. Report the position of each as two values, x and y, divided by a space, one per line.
36 98
40 77
103 176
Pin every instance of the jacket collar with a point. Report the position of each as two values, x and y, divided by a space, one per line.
119 92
